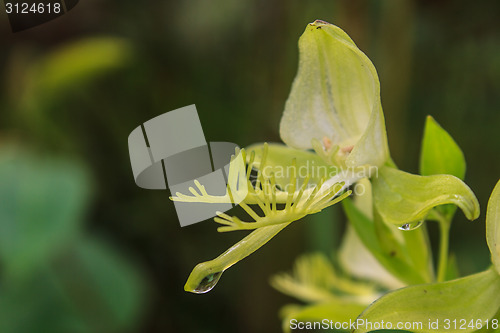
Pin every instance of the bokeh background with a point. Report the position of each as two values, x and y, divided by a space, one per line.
83 249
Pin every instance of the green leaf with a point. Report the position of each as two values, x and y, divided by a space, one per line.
335 97
279 161
59 74
493 226
440 154
402 198
114 285
75 63
42 202
36 305
52 279
325 313
452 271
471 298
491 327
89 288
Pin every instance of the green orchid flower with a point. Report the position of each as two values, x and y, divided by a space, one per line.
334 108
356 148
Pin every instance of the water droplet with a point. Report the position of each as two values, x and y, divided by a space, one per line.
410 226
208 283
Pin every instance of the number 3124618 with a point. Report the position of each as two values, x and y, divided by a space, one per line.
33 8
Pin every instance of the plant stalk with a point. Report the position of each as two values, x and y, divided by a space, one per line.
444 227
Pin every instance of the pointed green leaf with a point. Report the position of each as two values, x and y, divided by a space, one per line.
403 198
76 63
471 298
440 154
493 226
335 95
56 75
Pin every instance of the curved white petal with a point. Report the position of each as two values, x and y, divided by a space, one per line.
335 95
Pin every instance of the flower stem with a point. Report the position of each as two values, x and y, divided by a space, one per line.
444 227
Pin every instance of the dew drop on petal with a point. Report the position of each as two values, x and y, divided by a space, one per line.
410 226
208 283
404 227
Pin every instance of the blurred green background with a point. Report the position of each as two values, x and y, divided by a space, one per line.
83 249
